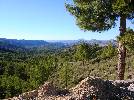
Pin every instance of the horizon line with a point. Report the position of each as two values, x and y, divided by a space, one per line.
56 40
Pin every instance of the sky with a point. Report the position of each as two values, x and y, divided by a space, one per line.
44 20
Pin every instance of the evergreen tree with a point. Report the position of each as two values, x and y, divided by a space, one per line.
82 52
101 15
108 52
127 39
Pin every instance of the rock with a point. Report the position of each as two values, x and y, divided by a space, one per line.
29 95
47 90
90 88
95 88
123 83
131 87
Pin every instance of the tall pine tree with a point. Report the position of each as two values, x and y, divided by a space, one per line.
102 15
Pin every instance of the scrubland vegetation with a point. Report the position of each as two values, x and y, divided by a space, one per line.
23 70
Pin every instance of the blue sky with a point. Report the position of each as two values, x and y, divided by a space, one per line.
43 20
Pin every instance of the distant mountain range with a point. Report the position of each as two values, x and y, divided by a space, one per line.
24 43
13 43
93 41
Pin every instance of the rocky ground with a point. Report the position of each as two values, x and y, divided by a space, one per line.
88 89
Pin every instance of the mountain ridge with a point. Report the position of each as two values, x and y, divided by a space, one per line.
58 43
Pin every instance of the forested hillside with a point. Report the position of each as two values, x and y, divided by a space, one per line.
23 69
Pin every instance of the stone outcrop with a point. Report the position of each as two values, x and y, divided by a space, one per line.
47 90
97 89
88 89
44 91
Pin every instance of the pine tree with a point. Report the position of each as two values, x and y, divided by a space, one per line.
83 52
102 15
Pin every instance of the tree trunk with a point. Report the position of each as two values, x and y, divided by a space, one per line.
121 50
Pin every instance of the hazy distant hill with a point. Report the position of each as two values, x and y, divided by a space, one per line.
24 43
93 41
29 44
6 46
102 42
50 44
